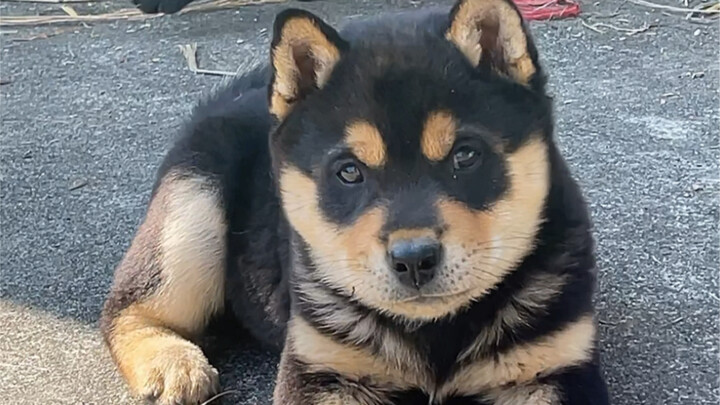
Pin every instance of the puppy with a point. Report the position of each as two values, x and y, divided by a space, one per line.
387 207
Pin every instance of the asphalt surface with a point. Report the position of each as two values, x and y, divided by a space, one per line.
88 112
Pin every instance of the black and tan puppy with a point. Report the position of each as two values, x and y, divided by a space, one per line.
388 206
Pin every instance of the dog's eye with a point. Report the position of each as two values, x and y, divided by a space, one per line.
465 157
350 174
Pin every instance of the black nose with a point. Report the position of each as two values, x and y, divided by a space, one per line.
415 260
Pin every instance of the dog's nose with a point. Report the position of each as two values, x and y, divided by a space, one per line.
415 261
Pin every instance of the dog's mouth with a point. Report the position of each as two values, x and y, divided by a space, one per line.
425 298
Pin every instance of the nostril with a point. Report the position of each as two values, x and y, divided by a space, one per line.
428 263
401 267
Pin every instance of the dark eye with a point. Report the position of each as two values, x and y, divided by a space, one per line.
350 174
465 157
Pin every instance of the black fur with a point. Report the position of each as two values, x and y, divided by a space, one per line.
227 140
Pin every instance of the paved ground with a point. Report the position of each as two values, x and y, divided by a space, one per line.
89 111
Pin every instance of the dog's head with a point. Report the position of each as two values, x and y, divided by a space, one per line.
412 164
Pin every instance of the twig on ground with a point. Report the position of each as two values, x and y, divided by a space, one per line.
591 27
42 35
709 10
222 394
190 54
129 14
611 15
630 31
607 323
674 321
77 184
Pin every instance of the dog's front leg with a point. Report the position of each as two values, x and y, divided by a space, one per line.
169 284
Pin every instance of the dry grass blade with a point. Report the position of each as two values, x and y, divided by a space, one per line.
220 395
69 11
129 14
591 27
630 31
709 10
190 54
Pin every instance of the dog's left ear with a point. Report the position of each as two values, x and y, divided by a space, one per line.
491 34
304 51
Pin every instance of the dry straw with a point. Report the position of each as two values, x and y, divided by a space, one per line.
127 14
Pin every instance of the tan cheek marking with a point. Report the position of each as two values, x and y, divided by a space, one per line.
299 198
366 143
570 346
466 32
506 232
349 245
438 135
299 35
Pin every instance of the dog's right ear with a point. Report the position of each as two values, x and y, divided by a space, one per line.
304 51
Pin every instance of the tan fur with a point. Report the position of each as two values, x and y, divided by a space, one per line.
524 363
428 307
333 313
529 394
528 303
148 338
336 399
487 245
157 362
193 258
438 135
291 389
322 353
366 143
466 32
299 35
351 257
481 246
414 233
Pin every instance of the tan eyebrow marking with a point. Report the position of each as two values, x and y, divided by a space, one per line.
366 143
438 135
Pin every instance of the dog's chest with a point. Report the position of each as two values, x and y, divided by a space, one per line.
440 346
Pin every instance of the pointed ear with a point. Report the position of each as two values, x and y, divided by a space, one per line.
491 34
304 51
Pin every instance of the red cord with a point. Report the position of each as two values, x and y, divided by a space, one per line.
547 9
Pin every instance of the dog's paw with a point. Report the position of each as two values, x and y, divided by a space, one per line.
161 6
177 374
